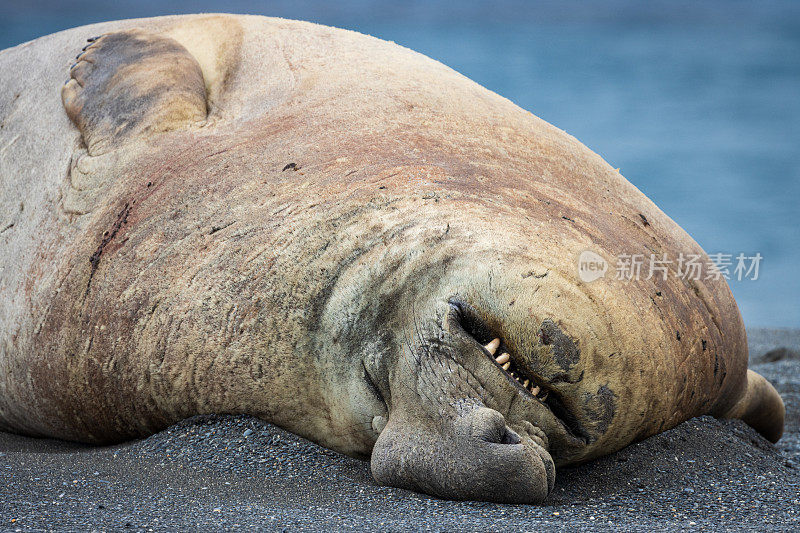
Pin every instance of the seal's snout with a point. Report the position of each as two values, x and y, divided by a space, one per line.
478 457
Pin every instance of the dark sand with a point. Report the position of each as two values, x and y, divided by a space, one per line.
215 473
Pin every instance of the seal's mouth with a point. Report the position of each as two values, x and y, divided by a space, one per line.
516 371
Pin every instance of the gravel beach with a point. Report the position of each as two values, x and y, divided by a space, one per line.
215 472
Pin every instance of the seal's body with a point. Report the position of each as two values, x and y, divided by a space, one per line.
222 214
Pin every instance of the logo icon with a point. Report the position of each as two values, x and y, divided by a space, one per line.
591 266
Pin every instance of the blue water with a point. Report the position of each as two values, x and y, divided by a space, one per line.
697 102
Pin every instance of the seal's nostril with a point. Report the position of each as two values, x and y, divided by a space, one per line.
484 423
490 426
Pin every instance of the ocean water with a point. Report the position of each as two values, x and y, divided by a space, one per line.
698 103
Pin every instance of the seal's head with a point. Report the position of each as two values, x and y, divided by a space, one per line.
484 400
490 361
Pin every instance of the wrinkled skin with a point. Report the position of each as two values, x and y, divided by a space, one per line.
250 215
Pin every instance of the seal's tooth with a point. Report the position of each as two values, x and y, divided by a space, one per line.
507 365
492 346
503 358
535 391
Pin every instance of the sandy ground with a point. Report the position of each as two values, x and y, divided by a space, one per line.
214 473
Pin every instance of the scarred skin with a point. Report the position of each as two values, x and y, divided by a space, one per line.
224 214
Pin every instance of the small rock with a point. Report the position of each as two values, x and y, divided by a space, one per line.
779 354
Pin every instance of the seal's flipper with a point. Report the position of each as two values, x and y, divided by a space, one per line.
130 84
761 407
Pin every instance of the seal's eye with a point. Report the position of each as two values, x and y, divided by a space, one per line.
372 387
466 317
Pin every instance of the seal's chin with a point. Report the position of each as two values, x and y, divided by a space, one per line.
516 370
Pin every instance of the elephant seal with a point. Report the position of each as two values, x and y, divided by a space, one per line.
235 214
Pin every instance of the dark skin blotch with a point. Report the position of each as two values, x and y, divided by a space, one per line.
600 409
564 349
